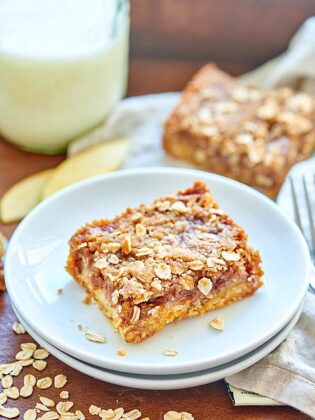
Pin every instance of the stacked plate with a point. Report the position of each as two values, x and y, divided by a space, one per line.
35 272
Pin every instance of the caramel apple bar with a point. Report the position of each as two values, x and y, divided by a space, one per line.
239 131
179 257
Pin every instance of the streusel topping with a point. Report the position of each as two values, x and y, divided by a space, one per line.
180 243
246 125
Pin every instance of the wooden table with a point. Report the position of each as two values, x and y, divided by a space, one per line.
170 39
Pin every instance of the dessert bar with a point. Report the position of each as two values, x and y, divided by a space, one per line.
239 131
178 257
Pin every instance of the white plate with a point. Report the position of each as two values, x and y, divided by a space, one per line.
164 382
37 254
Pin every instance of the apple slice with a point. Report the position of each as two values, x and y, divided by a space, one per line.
23 196
96 160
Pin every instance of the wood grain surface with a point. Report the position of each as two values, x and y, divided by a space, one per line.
170 39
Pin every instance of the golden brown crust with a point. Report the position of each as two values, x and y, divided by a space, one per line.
178 257
241 132
2 283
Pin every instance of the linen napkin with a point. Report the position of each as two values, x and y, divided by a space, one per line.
295 67
287 375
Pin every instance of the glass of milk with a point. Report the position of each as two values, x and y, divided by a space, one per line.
63 67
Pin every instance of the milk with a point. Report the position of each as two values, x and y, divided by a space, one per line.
63 66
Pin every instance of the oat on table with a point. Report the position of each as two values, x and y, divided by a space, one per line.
241 132
179 257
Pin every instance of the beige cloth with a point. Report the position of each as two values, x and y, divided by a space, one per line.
295 67
288 373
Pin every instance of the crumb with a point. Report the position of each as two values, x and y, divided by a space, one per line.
87 300
121 352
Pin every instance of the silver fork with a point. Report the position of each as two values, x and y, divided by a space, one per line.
299 196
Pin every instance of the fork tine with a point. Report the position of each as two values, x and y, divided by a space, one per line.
297 215
309 211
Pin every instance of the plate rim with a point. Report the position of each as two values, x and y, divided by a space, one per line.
146 368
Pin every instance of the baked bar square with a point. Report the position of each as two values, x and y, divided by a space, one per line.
241 132
179 257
